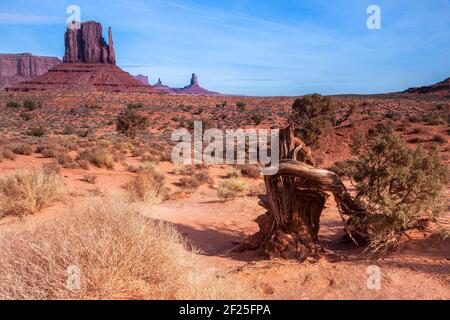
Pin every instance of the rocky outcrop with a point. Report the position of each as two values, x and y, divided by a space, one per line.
142 78
15 68
160 87
440 89
194 80
87 45
195 89
89 65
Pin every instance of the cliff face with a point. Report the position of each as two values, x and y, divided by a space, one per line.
142 78
88 45
15 68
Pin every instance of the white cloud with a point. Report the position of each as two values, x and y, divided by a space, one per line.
18 18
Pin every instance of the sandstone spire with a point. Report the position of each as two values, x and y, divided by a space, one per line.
194 80
112 52
88 45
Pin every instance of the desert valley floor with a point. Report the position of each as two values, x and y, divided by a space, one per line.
420 269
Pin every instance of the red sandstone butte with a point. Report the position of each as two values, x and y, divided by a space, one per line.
15 68
89 65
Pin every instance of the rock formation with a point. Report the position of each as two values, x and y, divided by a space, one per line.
441 89
195 89
159 86
87 45
15 68
194 80
142 78
89 65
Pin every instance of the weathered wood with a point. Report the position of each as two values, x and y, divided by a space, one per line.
295 200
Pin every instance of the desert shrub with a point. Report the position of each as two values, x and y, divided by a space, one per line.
148 186
395 116
47 151
8 154
189 184
414 119
132 106
26 116
312 114
250 171
91 179
203 177
230 188
23 193
233 173
186 170
31 105
257 118
37 132
13 105
51 168
397 185
434 120
66 161
130 123
241 105
23 149
100 157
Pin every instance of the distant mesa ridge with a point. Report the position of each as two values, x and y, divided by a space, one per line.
15 68
440 89
142 78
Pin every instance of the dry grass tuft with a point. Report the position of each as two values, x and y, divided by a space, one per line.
230 188
120 252
23 193
148 186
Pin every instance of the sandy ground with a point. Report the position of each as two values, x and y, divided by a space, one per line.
419 270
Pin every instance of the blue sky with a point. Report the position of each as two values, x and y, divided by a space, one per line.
254 47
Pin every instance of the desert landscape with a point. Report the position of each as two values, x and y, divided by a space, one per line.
88 189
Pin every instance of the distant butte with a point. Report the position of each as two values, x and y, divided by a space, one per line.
15 68
195 89
89 65
142 78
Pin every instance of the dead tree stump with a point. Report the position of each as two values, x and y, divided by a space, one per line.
295 199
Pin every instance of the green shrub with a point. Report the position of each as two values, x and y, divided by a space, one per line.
13 105
398 186
130 123
31 105
37 132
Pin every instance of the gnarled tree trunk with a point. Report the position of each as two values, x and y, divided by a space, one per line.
295 199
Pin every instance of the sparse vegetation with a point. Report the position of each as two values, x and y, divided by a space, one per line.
399 186
23 193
